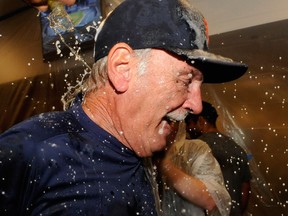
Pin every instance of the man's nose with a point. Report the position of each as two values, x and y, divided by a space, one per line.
194 100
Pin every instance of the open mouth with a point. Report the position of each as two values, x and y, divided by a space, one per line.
169 119
173 117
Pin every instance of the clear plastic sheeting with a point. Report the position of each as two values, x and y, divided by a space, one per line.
254 110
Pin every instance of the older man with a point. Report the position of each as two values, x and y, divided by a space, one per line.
150 61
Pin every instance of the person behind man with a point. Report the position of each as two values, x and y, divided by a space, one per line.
231 157
150 61
194 157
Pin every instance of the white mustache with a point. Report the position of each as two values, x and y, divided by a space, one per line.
177 115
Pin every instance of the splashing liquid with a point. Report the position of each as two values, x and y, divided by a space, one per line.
59 18
161 130
60 22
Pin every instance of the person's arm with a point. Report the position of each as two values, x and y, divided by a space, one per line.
190 188
42 5
245 189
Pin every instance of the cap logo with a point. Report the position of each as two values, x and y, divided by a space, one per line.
206 32
197 22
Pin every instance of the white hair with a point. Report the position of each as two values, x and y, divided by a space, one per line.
99 72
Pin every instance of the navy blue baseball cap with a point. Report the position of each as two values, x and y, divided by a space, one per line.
172 25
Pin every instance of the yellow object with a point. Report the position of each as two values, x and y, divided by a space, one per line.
54 4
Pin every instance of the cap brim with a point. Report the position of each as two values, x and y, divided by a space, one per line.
215 68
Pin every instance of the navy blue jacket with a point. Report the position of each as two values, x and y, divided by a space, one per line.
61 163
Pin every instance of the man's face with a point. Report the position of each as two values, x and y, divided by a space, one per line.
164 92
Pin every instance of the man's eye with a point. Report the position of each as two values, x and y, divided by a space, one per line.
189 79
188 82
184 82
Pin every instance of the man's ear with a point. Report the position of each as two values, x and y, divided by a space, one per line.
119 63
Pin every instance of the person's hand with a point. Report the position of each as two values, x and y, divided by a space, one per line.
42 5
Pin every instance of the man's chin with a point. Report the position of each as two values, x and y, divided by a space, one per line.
160 145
